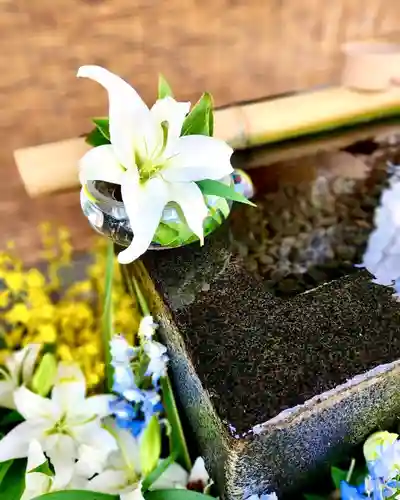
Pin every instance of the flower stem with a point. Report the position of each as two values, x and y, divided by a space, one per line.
108 329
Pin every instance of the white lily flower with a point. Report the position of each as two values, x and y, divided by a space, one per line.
19 369
151 162
123 475
36 483
39 483
60 424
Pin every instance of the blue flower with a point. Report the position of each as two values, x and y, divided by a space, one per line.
348 492
387 464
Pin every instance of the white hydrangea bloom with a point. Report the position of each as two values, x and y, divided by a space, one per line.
382 256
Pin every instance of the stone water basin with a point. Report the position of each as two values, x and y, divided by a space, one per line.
314 215
279 382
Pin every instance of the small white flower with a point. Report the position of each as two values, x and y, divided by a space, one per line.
121 351
382 256
176 477
151 162
157 354
19 370
60 424
268 496
147 327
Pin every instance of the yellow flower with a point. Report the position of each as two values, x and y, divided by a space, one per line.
4 298
15 281
46 334
39 309
19 313
35 279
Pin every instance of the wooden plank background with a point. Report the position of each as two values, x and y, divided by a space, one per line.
237 49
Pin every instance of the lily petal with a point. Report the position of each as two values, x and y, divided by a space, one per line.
129 446
198 157
199 472
191 200
100 164
136 494
91 461
36 483
33 406
174 476
69 389
62 453
98 405
15 444
144 204
130 118
109 481
7 388
173 112
92 434
28 367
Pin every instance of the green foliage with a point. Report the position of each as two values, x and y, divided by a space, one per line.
103 125
107 322
100 135
217 188
338 475
4 467
200 120
13 483
43 468
150 446
10 417
156 473
175 495
164 89
178 445
44 377
75 495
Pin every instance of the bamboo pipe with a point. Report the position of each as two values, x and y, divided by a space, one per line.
363 97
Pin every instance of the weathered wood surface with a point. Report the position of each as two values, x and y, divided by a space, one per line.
237 49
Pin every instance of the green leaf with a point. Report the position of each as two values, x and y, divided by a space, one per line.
12 417
211 119
165 234
150 446
4 466
75 495
164 89
96 138
175 495
198 121
153 476
216 188
337 476
43 468
44 377
107 321
103 125
13 483
178 446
